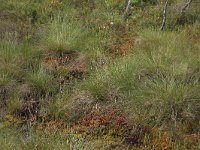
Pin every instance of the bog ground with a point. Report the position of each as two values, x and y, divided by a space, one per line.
90 75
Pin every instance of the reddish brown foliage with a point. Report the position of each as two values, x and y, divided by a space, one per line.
70 62
110 117
123 45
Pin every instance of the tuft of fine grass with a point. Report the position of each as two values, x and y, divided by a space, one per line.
16 139
42 81
63 35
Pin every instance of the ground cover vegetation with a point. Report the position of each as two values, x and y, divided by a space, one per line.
100 74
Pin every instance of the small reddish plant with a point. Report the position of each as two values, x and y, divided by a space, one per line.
106 122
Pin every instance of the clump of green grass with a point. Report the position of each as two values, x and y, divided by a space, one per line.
14 139
17 59
10 61
57 107
63 35
31 57
14 103
5 79
42 81
158 51
158 73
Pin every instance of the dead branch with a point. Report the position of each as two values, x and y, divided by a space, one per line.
164 15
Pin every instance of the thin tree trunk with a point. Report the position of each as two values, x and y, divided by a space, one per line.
164 15
181 19
127 9
185 6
